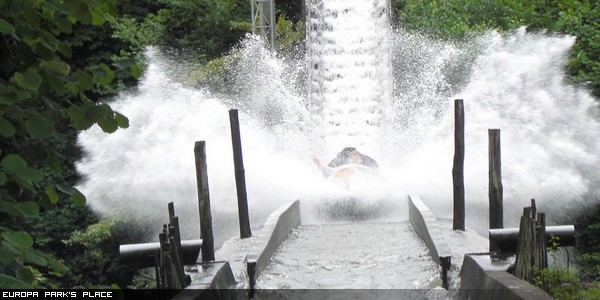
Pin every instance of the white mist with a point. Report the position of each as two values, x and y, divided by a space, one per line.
515 83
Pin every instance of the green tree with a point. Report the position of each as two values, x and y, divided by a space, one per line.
46 93
459 19
208 28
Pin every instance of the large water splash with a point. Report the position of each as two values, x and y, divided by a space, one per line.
514 82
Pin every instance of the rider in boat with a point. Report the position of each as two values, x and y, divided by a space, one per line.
348 156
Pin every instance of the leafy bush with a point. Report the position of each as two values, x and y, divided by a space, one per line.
47 92
561 282
208 28
100 263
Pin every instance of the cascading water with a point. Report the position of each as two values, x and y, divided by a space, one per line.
514 82
350 71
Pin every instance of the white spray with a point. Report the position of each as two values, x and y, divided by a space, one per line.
514 82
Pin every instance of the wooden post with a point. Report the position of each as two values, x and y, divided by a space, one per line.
240 179
543 254
206 232
174 227
495 180
458 181
171 208
178 272
524 247
531 244
165 257
157 269
495 183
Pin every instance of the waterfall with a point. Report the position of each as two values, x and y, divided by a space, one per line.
350 71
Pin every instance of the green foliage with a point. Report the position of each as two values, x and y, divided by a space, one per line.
460 19
218 75
47 90
288 34
557 282
293 9
144 279
214 76
99 263
208 28
588 244
561 282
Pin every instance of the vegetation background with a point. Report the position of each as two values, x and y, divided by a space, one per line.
59 59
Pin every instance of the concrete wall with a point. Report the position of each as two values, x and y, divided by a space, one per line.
484 278
213 280
276 229
427 228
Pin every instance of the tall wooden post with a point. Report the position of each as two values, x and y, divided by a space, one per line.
542 260
458 182
495 181
174 227
240 177
206 232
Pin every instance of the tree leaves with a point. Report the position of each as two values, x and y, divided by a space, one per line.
25 274
6 27
136 71
76 196
55 67
85 116
39 128
28 208
52 195
16 166
54 160
122 121
45 95
29 80
21 240
10 282
7 129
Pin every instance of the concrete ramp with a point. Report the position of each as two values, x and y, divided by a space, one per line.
356 255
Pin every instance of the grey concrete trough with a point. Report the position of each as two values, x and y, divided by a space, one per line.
276 229
425 225
482 277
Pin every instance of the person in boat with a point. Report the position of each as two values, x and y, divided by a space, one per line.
348 156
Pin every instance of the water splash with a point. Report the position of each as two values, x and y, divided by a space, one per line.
514 82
